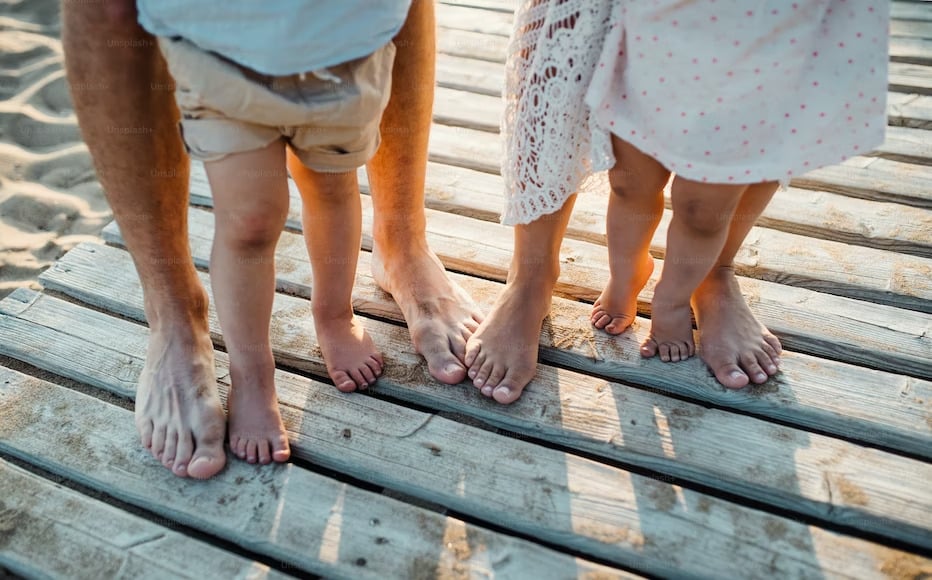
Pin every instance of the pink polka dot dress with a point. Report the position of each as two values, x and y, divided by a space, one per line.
719 91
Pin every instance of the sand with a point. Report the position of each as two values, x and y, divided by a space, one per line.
50 199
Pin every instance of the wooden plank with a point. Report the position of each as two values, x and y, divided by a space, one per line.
776 465
469 75
898 27
834 327
874 178
305 520
910 78
476 45
921 10
470 19
909 111
640 522
508 6
910 50
906 144
50 531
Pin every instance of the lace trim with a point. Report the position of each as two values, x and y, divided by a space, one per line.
551 150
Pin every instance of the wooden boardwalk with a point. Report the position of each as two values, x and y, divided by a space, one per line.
610 466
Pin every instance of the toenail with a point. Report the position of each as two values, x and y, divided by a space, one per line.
736 374
487 391
479 382
451 368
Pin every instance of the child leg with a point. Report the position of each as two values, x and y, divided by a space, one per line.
701 217
332 222
251 204
736 347
502 353
634 210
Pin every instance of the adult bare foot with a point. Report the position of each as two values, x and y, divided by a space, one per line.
671 327
178 411
256 431
617 306
440 315
352 360
502 353
735 346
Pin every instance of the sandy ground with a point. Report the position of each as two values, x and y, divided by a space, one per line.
50 199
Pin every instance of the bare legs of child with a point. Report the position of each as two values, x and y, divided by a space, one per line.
251 204
710 221
332 221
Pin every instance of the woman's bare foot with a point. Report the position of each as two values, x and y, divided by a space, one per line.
178 411
617 307
502 353
257 433
352 360
736 347
671 327
440 315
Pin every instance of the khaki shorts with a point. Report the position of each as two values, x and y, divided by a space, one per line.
331 126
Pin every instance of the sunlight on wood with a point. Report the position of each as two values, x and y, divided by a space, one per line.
663 432
330 541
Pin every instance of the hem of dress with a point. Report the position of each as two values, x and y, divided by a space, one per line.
738 175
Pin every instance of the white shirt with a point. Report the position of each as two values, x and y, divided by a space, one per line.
279 37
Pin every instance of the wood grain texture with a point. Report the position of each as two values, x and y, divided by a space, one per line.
305 520
785 467
625 518
50 531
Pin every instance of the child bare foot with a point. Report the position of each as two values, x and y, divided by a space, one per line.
352 360
736 347
671 329
502 353
617 307
256 430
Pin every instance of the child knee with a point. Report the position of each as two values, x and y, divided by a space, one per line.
630 185
253 232
701 218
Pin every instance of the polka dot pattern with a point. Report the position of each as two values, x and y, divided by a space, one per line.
725 91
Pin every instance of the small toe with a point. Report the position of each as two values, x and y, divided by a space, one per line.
754 372
171 444
183 454
367 374
262 448
507 392
774 343
252 452
158 442
495 376
145 428
473 348
482 375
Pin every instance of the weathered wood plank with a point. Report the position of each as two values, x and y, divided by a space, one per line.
906 144
909 50
874 178
898 27
469 75
900 10
306 520
910 110
475 45
508 6
639 522
453 17
49 531
785 467
834 327
910 78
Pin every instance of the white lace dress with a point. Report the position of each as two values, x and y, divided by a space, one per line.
723 91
